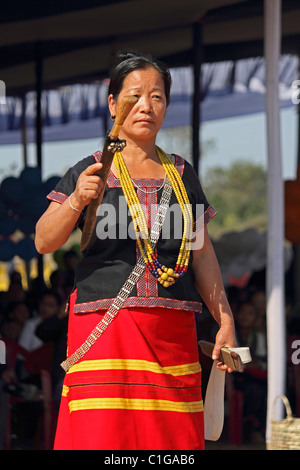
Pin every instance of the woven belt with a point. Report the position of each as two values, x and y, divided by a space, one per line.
135 274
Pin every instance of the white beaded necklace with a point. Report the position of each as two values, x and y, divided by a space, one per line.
141 188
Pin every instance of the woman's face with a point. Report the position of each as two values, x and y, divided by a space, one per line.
48 306
146 117
246 315
21 313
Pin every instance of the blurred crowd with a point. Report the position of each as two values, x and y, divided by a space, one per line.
249 308
33 324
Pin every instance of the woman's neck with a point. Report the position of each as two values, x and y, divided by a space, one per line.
142 161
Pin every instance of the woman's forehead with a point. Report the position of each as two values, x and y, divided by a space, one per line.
140 78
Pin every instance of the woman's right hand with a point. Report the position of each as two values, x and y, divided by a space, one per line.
58 221
88 186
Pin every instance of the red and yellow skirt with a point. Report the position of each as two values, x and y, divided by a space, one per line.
137 388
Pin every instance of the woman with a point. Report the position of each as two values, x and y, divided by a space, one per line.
139 385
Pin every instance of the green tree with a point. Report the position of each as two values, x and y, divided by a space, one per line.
238 194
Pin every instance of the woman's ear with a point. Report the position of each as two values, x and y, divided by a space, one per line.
112 106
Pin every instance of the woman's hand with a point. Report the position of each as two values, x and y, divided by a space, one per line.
59 220
88 186
224 338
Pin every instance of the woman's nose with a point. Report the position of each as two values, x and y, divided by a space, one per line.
145 104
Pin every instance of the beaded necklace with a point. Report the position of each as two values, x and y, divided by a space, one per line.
164 275
154 190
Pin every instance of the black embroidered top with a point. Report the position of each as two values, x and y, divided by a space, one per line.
112 252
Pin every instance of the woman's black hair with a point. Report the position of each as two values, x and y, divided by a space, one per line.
128 62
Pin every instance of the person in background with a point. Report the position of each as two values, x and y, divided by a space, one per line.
16 315
49 305
54 329
253 381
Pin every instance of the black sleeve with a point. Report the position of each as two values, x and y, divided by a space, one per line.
67 184
203 212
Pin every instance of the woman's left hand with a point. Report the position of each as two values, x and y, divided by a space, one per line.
224 338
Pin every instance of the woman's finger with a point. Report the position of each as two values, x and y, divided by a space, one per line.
90 170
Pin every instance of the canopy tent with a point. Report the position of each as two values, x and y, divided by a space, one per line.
77 40
45 46
228 89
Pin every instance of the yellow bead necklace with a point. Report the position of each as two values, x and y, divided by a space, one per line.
165 276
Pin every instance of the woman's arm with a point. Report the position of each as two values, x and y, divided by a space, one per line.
59 220
209 284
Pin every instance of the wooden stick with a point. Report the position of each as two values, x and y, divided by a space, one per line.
123 110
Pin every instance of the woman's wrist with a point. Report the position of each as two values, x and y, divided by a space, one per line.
73 203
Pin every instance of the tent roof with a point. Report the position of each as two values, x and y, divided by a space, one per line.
77 40
80 111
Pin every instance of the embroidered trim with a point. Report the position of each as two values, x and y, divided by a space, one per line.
148 302
57 197
208 215
147 285
114 182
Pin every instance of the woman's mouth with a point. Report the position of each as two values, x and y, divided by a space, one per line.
145 121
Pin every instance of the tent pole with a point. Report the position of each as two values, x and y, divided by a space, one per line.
38 89
38 130
197 61
24 132
275 237
296 270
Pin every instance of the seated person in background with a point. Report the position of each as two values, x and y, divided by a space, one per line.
16 315
253 381
54 329
258 299
37 355
48 306
15 291
248 334
57 282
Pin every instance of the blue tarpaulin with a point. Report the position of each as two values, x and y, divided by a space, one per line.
80 111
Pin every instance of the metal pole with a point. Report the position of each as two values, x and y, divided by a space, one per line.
38 89
24 132
38 129
275 236
296 268
197 61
